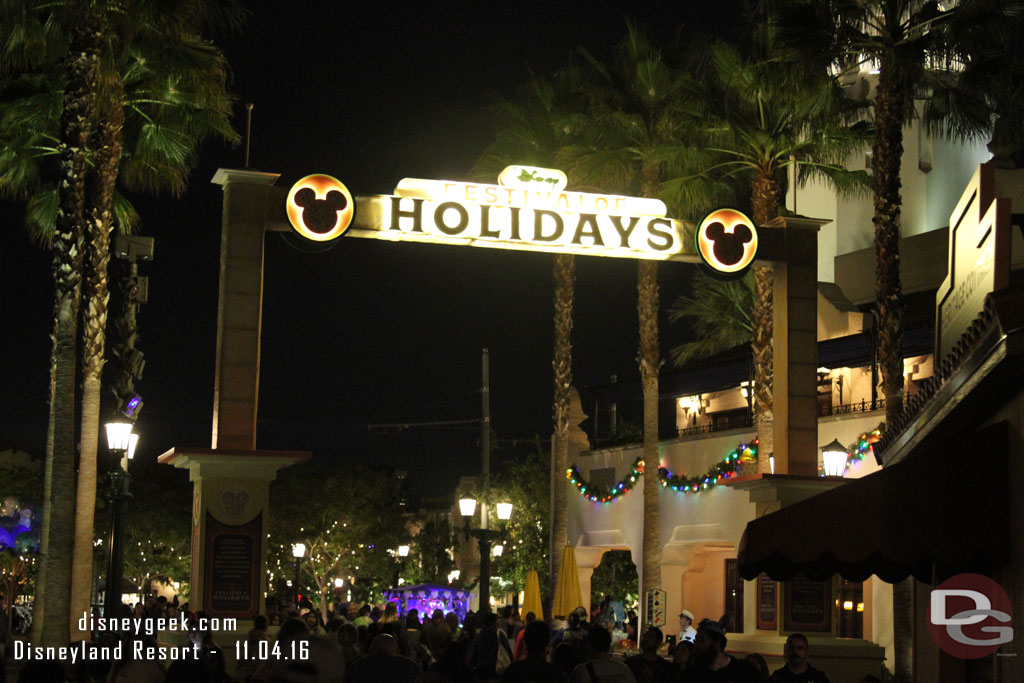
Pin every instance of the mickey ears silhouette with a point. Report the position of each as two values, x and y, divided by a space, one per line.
320 208
727 242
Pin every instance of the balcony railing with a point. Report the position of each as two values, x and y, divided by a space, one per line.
721 425
863 407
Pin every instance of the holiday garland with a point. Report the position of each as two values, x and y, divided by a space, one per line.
726 469
602 495
859 450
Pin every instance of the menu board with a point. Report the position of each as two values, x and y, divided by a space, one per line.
807 605
767 602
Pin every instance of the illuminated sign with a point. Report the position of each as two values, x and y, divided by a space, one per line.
531 177
532 197
320 207
979 259
726 242
529 211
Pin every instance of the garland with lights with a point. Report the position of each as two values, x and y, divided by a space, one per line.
602 495
726 469
859 450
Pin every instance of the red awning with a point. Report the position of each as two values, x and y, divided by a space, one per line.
947 509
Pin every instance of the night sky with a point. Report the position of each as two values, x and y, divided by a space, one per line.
364 332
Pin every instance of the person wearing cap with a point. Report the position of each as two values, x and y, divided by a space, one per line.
710 663
797 670
687 631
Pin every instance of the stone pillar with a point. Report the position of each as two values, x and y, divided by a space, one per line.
231 480
239 312
795 346
230 517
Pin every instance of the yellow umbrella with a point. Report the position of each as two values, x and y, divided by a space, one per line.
531 596
567 592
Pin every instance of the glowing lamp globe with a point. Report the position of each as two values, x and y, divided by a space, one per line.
119 433
133 442
467 506
833 458
504 511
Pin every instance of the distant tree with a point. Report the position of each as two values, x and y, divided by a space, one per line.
522 480
349 519
157 530
615 576
430 558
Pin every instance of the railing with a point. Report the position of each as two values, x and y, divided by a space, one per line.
717 426
863 407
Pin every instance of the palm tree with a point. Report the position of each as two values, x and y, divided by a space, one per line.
719 314
29 47
527 134
633 108
760 117
913 46
173 85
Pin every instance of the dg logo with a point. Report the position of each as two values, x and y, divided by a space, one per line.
727 242
320 208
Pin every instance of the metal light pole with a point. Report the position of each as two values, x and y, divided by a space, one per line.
121 443
486 538
298 552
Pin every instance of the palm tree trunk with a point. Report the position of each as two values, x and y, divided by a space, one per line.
903 628
886 155
94 322
565 283
58 504
887 152
766 200
650 364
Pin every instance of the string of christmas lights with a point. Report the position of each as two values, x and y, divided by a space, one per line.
602 495
859 450
726 469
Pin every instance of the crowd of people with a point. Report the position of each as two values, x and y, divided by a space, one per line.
378 645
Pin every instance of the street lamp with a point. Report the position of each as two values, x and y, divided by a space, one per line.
402 552
833 458
298 552
122 448
485 537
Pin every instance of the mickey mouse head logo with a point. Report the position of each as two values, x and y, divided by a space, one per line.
320 207
727 241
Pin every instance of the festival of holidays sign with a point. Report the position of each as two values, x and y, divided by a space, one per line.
529 211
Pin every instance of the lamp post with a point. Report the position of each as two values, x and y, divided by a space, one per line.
121 443
833 459
486 538
298 552
401 552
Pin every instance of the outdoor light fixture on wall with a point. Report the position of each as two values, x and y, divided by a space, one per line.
833 457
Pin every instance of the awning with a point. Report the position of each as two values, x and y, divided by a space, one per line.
945 511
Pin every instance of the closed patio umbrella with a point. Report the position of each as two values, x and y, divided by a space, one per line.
567 592
531 596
